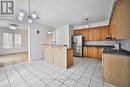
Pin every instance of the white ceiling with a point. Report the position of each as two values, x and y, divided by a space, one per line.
6 24
61 12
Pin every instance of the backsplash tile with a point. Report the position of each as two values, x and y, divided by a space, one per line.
125 44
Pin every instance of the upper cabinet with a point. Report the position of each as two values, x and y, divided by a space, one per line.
93 34
90 34
86 35
120 20
104 32
96 34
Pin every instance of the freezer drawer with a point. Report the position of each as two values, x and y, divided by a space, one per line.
78 51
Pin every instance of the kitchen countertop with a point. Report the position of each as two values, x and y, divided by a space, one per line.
55 44
114 51
100 46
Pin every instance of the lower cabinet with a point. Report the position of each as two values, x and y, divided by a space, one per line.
85 51
100 53
116 69
48 54
90 52
58 55
69 57
94 52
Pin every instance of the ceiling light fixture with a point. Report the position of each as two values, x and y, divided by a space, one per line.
13 26
30 16
87 25
49 32
21 13
34 15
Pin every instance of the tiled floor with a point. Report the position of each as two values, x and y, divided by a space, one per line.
84 73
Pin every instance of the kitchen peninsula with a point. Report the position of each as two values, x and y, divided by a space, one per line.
116 65
59 55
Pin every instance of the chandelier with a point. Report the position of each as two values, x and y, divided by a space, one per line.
30 16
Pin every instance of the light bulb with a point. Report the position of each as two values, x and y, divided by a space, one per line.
12 27
20 18
49 32
30 20
87 26
34 15
21 13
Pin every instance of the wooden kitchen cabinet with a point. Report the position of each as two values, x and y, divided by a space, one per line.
95 52
59 55
116 69
82 32
100 53
90 51
96 34
103 33
69 57
76 32
120 20
90 34
93 34
48 54
85 51
86 35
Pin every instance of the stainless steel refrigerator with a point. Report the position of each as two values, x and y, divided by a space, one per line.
77 45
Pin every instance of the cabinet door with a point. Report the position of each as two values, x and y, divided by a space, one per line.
113 23
90 51
100 53
60 56
123 19
119 74
79 32
85 51
95 52
107 67
69 57
103 32
82 31
120 20
86 35
90 33
48 54
76 32
96 34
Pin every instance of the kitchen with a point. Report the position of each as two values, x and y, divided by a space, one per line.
109 43
69 43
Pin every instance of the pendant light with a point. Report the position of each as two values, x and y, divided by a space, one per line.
87 25
30 16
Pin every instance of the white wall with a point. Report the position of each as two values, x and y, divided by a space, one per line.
71 33
37 40
14 50
63 35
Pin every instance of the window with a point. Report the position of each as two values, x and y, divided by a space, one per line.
11 40
7 40
18 40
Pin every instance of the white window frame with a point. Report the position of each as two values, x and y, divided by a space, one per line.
9 44
17 37
12 43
